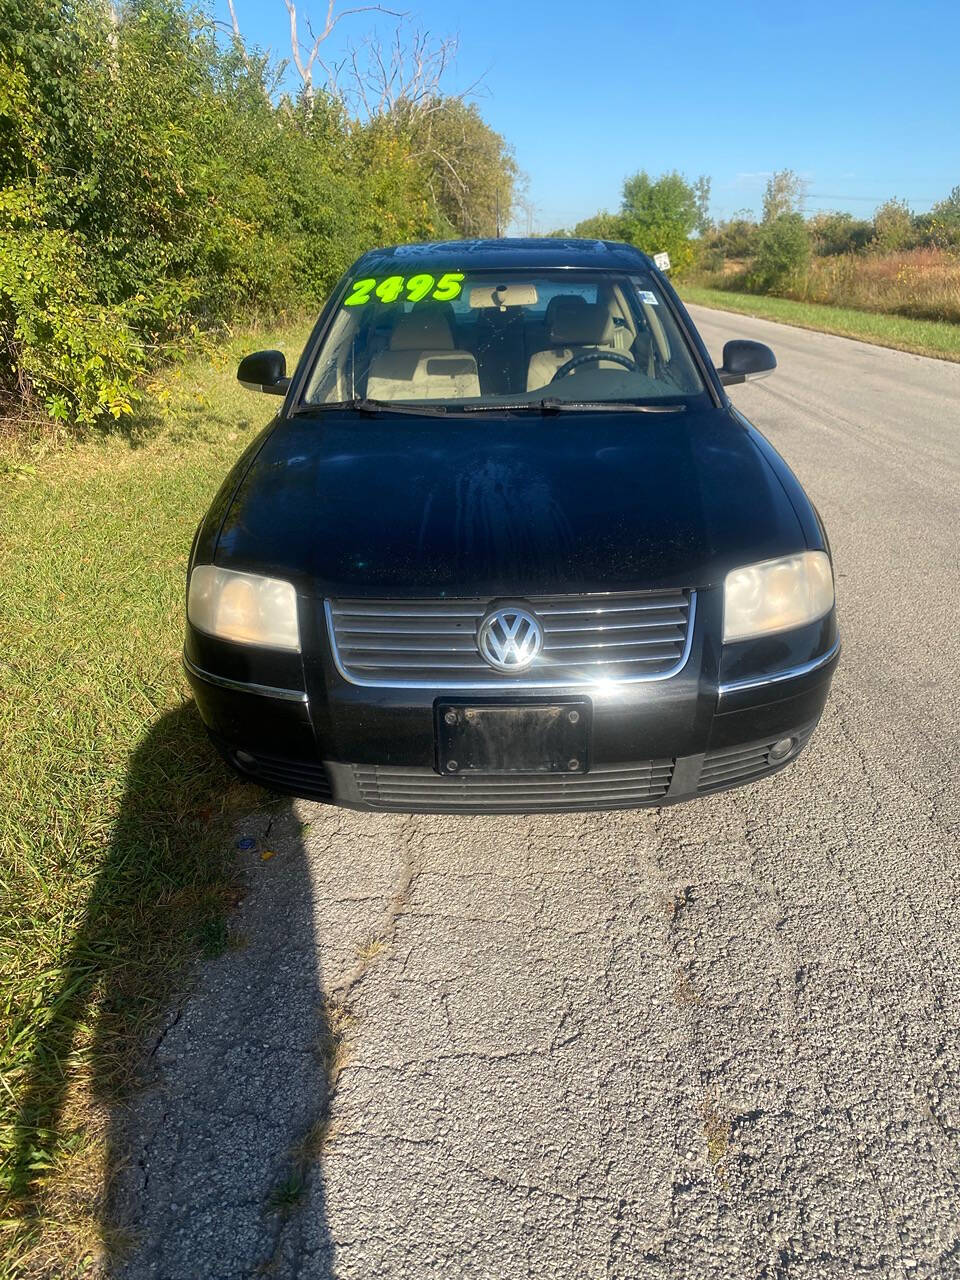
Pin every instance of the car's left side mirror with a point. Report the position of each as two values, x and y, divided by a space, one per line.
264 371
743 361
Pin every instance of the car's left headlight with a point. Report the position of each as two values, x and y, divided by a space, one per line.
244 607
776 595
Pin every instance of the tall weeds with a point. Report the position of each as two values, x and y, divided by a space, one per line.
923 284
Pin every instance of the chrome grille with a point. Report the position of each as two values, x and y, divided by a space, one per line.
433 643
620 786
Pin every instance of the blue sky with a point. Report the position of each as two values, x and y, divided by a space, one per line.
862 100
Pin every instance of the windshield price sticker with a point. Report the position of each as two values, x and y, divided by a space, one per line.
646 296
405 289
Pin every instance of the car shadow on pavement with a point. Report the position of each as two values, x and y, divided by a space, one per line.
216 1111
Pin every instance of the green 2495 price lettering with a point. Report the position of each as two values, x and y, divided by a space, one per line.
411 289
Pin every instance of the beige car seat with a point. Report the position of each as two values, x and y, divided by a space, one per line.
421 362
575 328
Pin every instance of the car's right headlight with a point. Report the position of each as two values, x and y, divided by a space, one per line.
244 607
776 595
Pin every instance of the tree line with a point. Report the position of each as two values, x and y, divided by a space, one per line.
158 177
658 215
773 253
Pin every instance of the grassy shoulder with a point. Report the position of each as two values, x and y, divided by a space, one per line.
116 864
922 337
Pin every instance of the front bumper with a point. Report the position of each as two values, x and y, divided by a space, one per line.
300 727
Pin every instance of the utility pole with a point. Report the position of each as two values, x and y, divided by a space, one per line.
498 214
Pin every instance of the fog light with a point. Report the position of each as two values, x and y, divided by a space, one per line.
245 758
781 749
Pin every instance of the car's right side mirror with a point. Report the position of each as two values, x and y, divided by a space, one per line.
743 361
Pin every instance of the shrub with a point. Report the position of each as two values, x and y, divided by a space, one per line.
892 225
836 233
154 182
948 209
938 229
78 358
602 226
733 240
783 252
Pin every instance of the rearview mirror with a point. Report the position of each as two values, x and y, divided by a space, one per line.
503 296
744 361
264 371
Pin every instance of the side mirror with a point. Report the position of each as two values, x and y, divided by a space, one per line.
744 361
264 371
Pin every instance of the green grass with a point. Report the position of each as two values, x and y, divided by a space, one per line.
923 337
288 1194
116 863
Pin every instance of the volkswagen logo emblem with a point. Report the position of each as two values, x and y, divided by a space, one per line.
510 638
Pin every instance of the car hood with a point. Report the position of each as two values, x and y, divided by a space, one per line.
357 505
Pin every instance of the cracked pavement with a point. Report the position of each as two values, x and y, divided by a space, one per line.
718 1040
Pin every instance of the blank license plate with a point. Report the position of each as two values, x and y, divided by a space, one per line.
505 738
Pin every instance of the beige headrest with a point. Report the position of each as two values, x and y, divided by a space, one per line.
575 299
422 331
577 324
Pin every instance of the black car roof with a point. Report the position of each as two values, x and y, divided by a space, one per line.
516 254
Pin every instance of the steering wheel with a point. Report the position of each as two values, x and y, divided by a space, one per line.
574 362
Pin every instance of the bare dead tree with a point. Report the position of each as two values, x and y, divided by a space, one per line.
306 56
402 77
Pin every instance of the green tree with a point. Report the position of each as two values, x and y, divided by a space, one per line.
784 193
155 181
701 191
660 215
470 170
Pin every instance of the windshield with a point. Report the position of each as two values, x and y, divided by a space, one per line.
483 340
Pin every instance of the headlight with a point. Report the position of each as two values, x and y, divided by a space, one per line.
244 607
775 595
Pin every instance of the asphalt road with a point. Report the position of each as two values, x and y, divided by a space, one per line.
722 1040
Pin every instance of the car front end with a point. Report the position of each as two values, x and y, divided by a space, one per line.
391 735
518 609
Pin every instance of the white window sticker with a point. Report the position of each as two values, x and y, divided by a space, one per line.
648 297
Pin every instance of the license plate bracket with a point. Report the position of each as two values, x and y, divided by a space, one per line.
512 737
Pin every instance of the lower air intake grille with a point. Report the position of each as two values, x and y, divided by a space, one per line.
741 764
622 786
301 777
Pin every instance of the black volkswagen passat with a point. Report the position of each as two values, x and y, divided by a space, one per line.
507 546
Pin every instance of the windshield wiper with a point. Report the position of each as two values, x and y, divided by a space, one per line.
555 405
360 404
608 406
535 406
